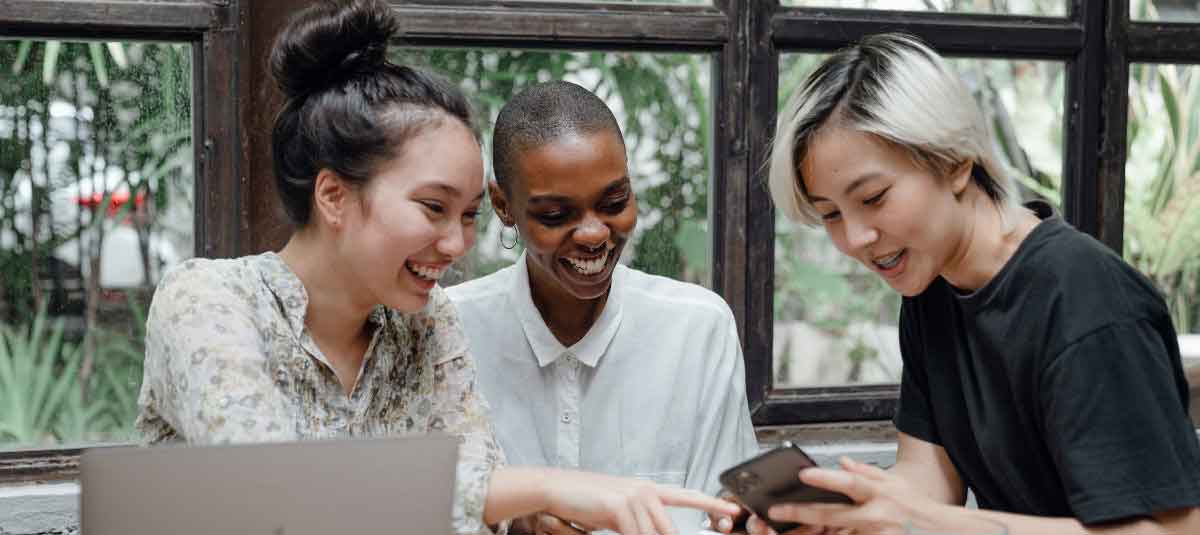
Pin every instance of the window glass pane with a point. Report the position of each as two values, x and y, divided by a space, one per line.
836 321
1162 196
662 104
96 200
1051 8
1165 10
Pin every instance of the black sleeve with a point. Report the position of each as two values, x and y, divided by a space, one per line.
913 416
1116 427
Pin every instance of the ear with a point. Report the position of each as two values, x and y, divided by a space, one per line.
500 203
960 177
331 198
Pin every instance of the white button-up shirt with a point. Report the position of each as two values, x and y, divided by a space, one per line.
655 389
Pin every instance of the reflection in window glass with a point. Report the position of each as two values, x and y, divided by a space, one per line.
836 321
1050 8
1165 10
1162 196
96 200
662 104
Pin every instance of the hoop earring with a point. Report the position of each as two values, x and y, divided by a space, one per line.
516 237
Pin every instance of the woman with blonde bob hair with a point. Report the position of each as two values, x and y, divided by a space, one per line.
1040 371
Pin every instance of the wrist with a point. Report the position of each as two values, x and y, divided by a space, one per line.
929 513
540 483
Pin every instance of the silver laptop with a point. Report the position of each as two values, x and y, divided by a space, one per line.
393 485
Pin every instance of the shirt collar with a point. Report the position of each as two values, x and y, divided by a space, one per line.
545 346
286 286
290 293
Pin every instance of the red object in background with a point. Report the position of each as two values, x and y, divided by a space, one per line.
115 201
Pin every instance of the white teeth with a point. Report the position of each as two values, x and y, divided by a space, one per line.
889 262
589 267
426 273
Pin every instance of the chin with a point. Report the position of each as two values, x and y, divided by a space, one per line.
592 294
408 303
911 290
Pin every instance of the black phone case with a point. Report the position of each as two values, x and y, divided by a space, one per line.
771 478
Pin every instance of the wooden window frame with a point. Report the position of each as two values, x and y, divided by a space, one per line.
210 27
1096 41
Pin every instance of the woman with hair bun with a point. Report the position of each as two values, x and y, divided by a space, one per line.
344 332
1041 372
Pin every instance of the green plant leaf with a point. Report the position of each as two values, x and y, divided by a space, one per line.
23 50
50 61
117 51
96 51
1170 103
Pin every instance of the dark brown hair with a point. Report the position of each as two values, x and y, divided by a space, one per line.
348 108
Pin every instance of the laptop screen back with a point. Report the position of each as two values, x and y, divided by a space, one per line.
392 485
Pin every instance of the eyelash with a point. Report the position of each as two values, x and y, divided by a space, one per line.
873 201
552 219
877 198
434 207
437 208
617 205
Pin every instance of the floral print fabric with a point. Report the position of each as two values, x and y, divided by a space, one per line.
229 359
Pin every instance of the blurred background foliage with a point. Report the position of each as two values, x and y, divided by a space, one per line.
96 196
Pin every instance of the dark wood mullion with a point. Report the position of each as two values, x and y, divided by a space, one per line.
91 19
730 146
1163 42
220 185
537 25
956 34
759 274
1114 111
1084 122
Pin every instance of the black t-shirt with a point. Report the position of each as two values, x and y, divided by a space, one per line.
1057 388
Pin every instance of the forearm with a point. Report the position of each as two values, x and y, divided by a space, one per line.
933 485
1176 522
515 492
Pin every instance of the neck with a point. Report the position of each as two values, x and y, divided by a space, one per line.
337 312
987 242
568 317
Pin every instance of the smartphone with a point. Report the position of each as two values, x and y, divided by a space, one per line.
771 478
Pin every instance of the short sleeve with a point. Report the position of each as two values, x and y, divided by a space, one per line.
1116 427
724 435
459 409
205 374
914 416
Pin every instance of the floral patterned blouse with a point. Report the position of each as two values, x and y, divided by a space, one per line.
229 359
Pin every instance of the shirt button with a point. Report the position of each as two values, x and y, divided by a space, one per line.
566 418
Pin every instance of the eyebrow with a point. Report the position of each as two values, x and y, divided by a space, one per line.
453 191
623 181
851 187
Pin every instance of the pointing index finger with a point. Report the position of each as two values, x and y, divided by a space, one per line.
677 497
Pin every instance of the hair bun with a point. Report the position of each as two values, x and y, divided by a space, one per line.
331 42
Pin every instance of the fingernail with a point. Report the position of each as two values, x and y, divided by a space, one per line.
725 524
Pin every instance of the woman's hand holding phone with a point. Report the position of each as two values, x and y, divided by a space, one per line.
771 478
879 502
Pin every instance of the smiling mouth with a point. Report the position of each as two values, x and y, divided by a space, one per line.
590 266
890 261
429 273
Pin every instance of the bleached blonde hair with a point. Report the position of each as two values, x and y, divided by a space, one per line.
894 87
